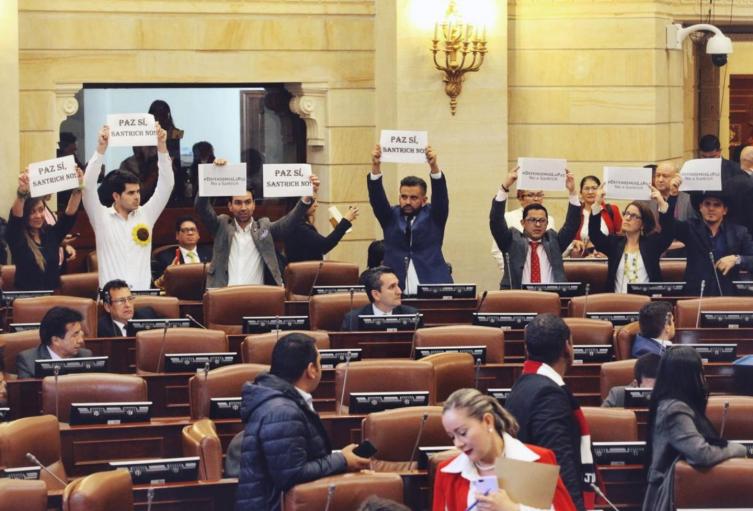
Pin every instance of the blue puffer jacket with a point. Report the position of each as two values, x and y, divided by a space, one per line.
284 444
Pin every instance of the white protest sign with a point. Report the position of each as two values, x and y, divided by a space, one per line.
132 130
704 174
222 180
403 146
51 176
629 183
287 180
541 174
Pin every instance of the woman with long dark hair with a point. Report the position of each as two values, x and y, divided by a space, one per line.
633 254
306 244
35 245
678 427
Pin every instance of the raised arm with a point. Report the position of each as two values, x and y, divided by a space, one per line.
440 199
663 239
572 221
89 196
165 180
377 197
22 194
282 227
497 224
74 201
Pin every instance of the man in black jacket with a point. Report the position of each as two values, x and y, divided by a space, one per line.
119 309
284 442
546 410
385 297
188 250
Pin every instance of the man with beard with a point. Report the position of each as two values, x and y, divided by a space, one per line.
414 229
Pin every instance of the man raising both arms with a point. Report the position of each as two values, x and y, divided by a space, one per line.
123 231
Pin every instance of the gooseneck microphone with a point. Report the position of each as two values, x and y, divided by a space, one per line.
481 302
416 320
700 302
162 347
56 373
508 269
345 382
716 273
204 278
601 494
585 299
330 496
476 373
424 418
725 410
351 291
316 279
33 459
194 321
150 497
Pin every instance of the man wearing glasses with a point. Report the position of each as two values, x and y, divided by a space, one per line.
535 255
187 252
514 218
119 309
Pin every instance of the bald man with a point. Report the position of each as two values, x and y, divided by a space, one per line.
663 176
746 160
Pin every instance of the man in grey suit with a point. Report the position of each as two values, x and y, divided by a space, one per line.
244 248
534 255
61 337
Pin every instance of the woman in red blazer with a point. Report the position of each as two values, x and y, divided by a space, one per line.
483 431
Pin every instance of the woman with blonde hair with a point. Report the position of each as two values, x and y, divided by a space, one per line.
483 431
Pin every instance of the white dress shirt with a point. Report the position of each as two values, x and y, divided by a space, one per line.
53 355
636 270
119 256
380 312
122 327
245 265
307 397
186 259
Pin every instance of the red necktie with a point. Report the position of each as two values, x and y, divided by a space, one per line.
535 264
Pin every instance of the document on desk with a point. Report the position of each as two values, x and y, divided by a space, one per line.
527 482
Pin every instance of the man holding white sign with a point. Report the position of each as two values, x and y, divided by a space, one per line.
124 230
244 248
414 229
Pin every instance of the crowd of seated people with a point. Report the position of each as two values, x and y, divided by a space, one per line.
284 442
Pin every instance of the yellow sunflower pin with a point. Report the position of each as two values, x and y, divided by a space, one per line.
141 235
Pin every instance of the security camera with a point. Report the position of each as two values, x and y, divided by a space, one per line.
718 46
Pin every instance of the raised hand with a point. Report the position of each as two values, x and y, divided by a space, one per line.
512 176
569 182
23 182
103 138
161 138
431 158
376 160
674 185
352 214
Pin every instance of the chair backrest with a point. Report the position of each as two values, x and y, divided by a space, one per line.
186 281
724 485
616 373
590 331
257 348
326 312
611 424
8 277
452 371
164 248
516 300
164 306
465 335
623 340
92 264
32 310
394 434
101 491
38 435
738 425
200 439
13 344
151 345
606 302
84 285
225 307
369 376
19 494
589 271
299 277
686 311
221 382
352 489
89 388
672 270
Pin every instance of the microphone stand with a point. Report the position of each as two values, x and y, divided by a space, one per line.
150 497
476 373
508 269
56 372
33 459
162 347
716 273
585 299
416 320
345 381
424 418
350 325
316 278
601 494
330 496
725 410
481 302
194 321
700 301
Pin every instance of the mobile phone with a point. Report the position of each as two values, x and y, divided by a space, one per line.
486 485
365 449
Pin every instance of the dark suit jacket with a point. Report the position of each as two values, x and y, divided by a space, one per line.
304 243
166 257
515 244
694 234
350 321
106 327
643 345
25 359
651 246
546 419
424 247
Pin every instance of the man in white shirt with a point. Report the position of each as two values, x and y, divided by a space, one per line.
123 231
514 220
188 250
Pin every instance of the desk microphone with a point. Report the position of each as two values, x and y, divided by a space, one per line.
194 321
330 496
206 371
162 347
700 301
716 273
204 278
150 497
476 374
351 291
416 320
345 382
316 278
406 264
725 410
56 372
33 459
277 328
481 302
508 269
424 418
601 494
585 299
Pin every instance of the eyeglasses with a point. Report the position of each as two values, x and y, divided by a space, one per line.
124 300
533 195
589 188
631 216
188 230
537 221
